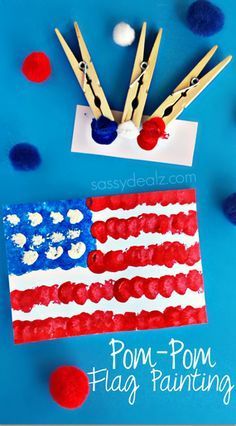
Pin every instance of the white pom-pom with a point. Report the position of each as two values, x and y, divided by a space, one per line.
128 130
123 34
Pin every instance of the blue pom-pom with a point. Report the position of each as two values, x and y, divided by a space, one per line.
104 130
229 207
24 156
204 18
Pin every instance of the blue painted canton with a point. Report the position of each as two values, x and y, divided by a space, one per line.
47 235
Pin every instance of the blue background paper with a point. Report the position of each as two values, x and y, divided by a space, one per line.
44 115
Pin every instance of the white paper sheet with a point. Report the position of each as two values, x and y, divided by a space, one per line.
177 149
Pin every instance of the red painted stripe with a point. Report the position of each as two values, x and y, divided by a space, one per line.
130 201
102 322
151 222
165 254
137 287
25 300
122 290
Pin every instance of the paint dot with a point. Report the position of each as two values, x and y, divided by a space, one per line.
19 239
25 157
35 218
57 217
30 257
37 240
57 237
75 216
13 219
54 253
77 250
72 234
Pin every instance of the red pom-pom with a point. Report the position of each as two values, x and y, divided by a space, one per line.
152 130
36 67
69 386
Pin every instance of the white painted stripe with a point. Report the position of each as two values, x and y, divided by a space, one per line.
194 299
146 239
83 275
141 209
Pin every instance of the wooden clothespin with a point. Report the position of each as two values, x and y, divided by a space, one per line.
87 76
191 86
140 79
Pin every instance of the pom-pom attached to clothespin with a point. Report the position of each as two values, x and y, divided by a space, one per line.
152 131
204 18
123 34
25 157
104 130
104 127
36 67
69 386
128 130
229 208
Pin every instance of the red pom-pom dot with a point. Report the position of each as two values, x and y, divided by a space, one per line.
153 129
69 386
36 67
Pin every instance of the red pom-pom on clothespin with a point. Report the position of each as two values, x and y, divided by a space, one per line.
36 67
152 131
69 386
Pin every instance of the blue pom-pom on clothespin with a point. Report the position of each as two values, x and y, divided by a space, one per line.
25 157
229 208
204 18
104 130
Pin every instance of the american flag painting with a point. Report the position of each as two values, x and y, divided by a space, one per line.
104 264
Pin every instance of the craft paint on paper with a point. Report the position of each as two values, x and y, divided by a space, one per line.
104 264
177 149
189 370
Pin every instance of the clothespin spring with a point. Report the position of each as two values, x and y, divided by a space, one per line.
144 66
194 82
83 66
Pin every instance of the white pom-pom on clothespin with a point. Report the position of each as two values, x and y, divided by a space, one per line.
123 34
128 130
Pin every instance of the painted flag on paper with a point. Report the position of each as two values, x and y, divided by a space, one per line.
104 264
